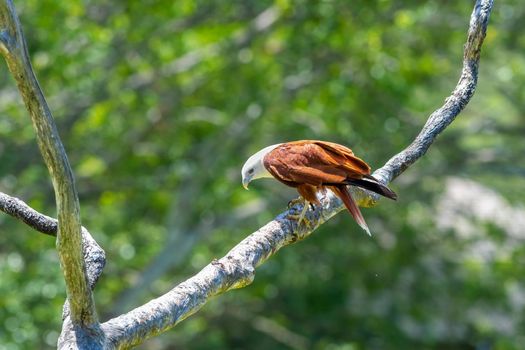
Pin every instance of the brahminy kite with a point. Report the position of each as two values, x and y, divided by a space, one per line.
312 166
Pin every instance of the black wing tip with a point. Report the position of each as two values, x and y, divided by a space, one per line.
387 192
372 184
393 196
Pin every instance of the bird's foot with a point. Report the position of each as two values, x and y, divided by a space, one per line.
297 217
301 217
299 200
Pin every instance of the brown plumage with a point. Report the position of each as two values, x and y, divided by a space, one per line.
312 166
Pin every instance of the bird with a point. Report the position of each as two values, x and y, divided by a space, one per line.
313 166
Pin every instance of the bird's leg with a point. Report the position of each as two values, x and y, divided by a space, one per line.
308 195
303 213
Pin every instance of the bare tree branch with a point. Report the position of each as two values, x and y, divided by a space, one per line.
454 104
181 240
93 254
69 242
20 210
237 268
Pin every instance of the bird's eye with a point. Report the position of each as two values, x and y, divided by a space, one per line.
250 171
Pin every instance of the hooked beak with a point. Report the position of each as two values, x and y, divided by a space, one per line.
245 182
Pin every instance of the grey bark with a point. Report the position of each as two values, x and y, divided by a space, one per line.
237 268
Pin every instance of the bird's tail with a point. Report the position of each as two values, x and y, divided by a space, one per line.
368 182
342 192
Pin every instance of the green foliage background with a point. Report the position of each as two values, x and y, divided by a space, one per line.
159 103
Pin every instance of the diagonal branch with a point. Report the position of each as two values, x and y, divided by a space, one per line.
69 241
237 268
454 104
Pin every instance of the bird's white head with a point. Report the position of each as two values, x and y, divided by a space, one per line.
254 166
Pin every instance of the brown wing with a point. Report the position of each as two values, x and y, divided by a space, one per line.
351 163
314 163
